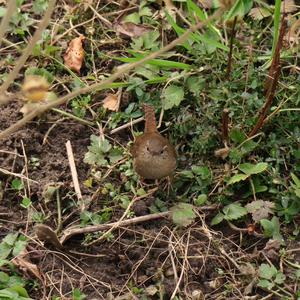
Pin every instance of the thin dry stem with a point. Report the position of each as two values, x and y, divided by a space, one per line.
272 81
74 175
102 85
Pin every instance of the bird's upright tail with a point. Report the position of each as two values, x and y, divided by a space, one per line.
150 125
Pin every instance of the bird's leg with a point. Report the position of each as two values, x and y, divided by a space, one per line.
168 184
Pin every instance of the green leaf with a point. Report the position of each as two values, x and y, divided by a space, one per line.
200 200
178 30
40 72
240 8
237 135
5 250
201 171
265 284
26 202
296 180
166 64
195 84
251 169
39 6
237 178
234 211
115 155
19 247
280 278
20 290
10 239
17 184
272 229
187 174
77 295
172 96
218 218
4 278
133 18
267 272
97 151
267 227
183 214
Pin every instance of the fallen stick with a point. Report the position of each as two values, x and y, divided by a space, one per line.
74 175
48 235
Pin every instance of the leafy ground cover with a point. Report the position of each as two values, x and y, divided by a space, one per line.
227 97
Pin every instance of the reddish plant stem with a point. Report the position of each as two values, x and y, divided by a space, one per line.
232 36
225 121
271 81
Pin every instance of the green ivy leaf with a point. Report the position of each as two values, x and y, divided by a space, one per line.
5 250
17 184
237 178
267 272
172 96
265 284
280 278
183 214
267 227
251 169
19 247
115 155
272 229
97 150
218 218
10 239
234 211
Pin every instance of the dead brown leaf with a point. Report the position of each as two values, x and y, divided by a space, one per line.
131 30
223 152
74 55
288 6
293 35
260 209
271 250
259 13
111 102
208 4
22 261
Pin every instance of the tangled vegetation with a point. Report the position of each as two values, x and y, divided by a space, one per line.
76 220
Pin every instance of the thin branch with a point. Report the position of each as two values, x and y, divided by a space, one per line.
95 228
21 61
75 230
225 126
102 85
74 175
232 36
272 80
11 8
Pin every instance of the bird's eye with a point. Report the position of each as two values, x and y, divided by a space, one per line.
162 151
148 149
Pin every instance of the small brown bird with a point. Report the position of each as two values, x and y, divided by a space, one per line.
153 155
